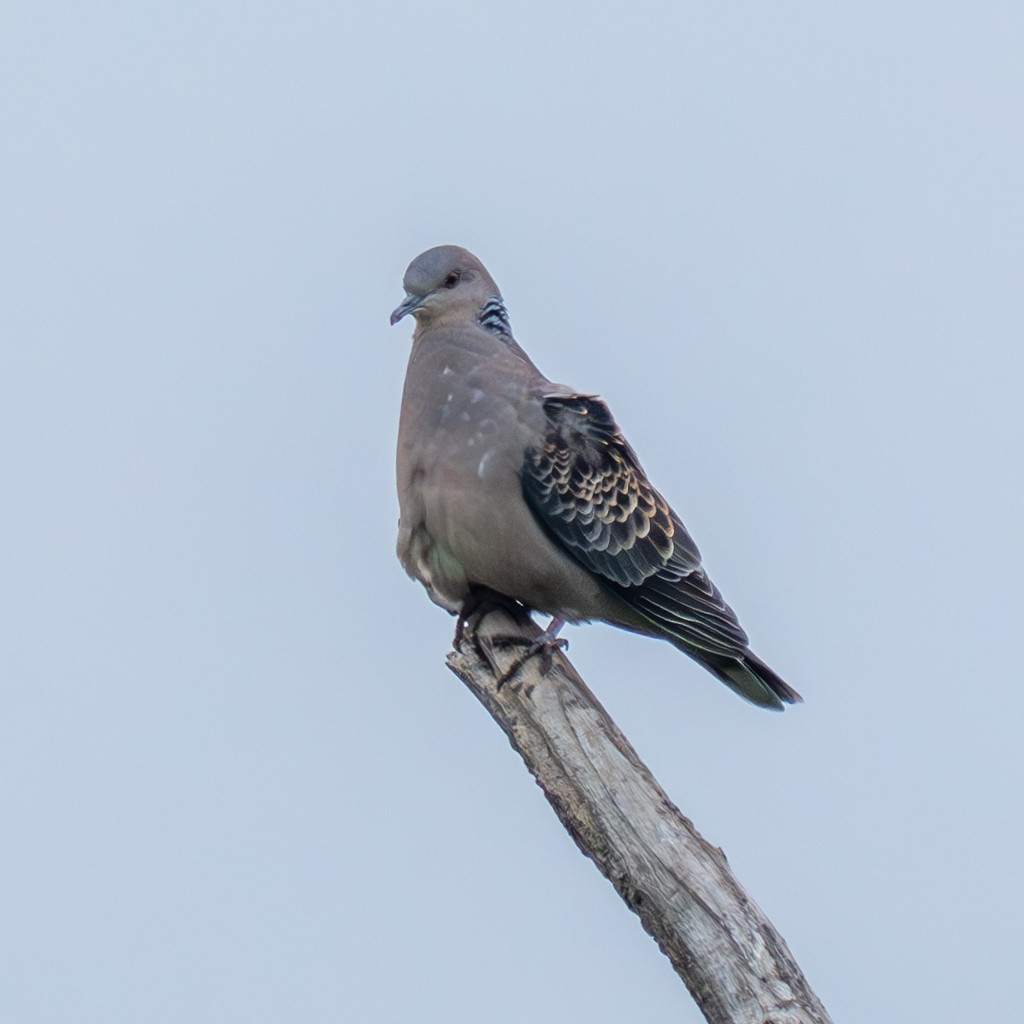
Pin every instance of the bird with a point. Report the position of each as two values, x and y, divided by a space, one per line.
514 488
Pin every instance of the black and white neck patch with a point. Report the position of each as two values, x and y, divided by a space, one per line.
494 318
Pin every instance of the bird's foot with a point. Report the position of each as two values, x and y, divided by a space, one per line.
545 645
480 602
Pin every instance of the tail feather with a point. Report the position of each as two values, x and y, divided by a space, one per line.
750 677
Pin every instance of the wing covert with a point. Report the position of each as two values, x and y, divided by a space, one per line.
585 484
588 490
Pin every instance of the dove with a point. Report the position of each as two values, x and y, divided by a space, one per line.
514 488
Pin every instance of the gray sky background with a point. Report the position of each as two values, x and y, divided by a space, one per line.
785 241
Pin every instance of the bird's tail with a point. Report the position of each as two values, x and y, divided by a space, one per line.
751 678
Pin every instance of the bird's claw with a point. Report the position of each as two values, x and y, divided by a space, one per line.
480 601
545 645
474 610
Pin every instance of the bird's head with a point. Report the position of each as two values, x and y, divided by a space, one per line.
445 283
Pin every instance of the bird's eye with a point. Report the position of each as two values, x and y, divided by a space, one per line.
452 279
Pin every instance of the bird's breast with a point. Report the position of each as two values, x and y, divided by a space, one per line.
465 429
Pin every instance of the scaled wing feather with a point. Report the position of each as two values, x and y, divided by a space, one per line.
588 490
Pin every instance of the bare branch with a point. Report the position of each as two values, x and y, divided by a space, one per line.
734 962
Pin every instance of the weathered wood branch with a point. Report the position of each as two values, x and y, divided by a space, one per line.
734 962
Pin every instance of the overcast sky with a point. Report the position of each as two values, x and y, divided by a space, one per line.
785 242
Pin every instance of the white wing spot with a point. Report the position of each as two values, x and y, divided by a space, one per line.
447 370
481 468
475 395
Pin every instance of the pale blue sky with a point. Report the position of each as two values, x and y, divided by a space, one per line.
785 242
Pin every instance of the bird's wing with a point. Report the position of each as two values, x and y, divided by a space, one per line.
586 487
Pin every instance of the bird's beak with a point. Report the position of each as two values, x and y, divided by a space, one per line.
412 303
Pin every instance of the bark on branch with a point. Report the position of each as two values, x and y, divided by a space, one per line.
733 961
